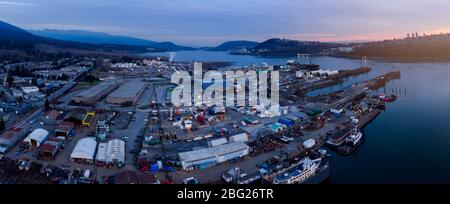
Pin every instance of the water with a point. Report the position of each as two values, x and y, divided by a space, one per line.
408 143
248 60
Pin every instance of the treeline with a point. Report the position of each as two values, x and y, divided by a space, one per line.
420 48
20 71
284 47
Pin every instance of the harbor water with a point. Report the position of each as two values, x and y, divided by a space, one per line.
408 143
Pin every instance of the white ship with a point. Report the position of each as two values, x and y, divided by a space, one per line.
299 172
354 137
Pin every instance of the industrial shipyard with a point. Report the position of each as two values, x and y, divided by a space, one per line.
91 120
224 100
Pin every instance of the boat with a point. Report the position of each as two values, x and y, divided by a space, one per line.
388 99
299 172
352 142
338 137
354 138
304 66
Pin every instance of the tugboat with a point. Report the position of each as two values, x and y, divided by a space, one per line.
354 138
352 142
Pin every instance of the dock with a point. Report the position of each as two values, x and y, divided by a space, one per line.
365 119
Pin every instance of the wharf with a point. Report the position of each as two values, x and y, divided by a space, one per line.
365 119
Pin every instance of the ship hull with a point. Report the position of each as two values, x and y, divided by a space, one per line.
321 175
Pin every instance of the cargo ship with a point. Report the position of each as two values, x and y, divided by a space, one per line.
306 171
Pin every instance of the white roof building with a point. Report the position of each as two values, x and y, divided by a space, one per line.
243 137
37 137
217 142
101 152
215 154
30 89
115 152
85 149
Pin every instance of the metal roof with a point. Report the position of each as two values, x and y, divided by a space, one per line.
130 89
115 151
39 135
212 152
85 149
96 90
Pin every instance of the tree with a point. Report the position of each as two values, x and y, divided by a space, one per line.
9 79
47 105
2 124
34 81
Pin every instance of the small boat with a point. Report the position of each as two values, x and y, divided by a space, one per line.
388 99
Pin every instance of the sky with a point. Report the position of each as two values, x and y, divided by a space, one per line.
211 22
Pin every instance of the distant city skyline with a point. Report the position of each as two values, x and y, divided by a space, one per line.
211 22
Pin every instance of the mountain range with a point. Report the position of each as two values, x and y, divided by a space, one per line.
104 38
18 43
18 39
15 38
232 45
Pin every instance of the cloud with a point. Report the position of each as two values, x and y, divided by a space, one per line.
113 29
213 21
10 3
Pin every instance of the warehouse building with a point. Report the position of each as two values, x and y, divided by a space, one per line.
242 137
111 153
17 108
50 149
100 159
65 130
128 93
115 152
84 151
203 158
11 137
94 94
37 137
